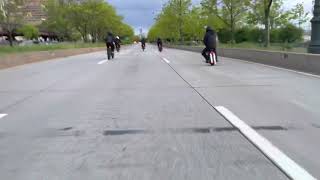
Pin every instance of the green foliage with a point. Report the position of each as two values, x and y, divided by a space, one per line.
11 17
299 14
173 22
90 18
229 12
290 34
29 31
57 22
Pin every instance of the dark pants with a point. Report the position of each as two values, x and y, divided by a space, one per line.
111 46
205 53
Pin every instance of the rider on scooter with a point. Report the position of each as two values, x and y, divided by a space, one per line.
159 42
110 41
210 41
117 41
143 42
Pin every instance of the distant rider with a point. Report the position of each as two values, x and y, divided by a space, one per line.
159 42
143 43
117 41
210 41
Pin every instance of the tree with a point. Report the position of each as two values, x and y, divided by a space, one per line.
11 17
290 33
194 26
230 12
267 7
96 18
300 15
171 22
57 21
29 31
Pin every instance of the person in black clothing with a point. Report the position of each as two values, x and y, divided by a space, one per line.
143 43
117 41
110 41
159 43
210 41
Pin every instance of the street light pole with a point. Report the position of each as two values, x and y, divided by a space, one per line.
315 34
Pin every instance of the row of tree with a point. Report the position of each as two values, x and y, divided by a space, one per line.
180 21
89 20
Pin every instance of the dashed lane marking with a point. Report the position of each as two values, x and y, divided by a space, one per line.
3 115
102 62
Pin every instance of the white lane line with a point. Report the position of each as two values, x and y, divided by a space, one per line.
166 60
102 62
3 115
280 68
287 165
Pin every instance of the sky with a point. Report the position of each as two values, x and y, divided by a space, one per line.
141 13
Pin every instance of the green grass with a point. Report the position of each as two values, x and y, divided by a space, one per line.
273 47
4 50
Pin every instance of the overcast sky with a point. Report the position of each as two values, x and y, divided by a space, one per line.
141 13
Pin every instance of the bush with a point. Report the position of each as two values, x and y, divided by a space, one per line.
247 34
275 36
29 31
224 36
290 34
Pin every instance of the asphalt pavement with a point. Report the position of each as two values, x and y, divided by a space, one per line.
150 115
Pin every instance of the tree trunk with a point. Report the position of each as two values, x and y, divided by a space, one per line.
267 7
10 38
267 30
232 34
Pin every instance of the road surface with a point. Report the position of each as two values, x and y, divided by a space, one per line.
150 115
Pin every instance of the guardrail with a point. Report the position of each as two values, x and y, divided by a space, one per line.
304 62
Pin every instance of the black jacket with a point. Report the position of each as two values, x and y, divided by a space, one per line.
210 39
109 38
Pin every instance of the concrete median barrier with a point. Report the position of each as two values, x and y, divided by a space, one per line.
304 62
12 60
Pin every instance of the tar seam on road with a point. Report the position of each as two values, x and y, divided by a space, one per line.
196 130
271 160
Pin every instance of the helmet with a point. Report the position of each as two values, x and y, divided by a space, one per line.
117 37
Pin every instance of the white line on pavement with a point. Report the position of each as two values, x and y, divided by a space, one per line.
166 60
287 165
3 115
102 62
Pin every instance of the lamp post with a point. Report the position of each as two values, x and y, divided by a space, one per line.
315 34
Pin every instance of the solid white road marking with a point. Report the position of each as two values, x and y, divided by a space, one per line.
102 62
3 115
166 60
287 165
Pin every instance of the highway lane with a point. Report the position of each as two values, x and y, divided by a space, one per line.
262 96
137 117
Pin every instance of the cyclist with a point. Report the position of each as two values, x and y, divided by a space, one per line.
143 43
159 43
210 42
110 42
117 41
